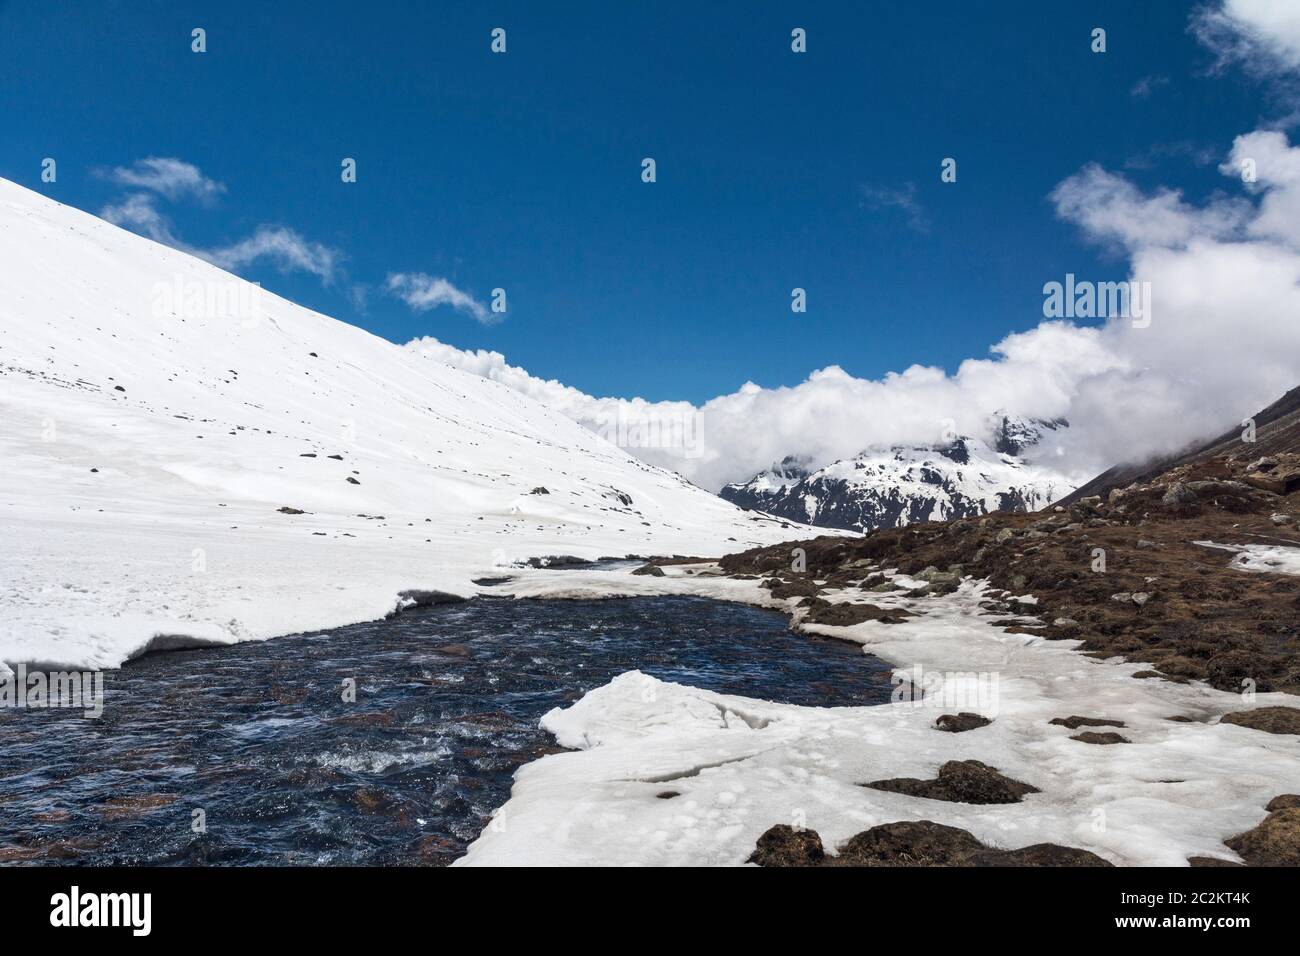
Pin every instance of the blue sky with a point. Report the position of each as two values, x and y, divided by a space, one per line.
522 170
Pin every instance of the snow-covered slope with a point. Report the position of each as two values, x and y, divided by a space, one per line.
886 488
158 413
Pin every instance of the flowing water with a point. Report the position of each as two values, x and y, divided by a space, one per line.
251 755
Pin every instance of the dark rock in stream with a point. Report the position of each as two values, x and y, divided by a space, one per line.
558 562
417 598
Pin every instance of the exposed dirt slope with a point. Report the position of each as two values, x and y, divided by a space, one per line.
1122 574
1277 431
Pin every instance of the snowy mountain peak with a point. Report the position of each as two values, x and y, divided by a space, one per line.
903 484
1013 435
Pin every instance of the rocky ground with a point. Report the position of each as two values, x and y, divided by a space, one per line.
1125 576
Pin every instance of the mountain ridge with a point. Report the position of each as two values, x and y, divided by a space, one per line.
1276 427
901 484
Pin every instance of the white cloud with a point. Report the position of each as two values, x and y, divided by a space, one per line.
1184 150
175 179
1144 87
168 176
285 248
1111 209
1263 36
1222 343
1276 168
902 198
139 213
423 292
359 295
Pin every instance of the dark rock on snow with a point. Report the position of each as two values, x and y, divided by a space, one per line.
961 781
1092 737
1272 720
960 723
1074 723
909 843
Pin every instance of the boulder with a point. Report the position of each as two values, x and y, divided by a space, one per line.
1074 723
961 781
785 846
1271 720
1093 737
1275 842
960 723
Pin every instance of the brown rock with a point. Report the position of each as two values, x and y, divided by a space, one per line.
436 850
1040 854
1275 842
923 843
1092 737
960 723
1279 482
1074 723
788 589
846 614
369 800
1272 720
960 781
785 846
1228 671
1285 801
908 843
119 808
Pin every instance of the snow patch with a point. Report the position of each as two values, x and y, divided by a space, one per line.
1276 559
1177 790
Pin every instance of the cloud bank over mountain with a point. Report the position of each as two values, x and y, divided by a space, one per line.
1222 340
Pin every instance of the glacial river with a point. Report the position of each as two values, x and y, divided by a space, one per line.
251 754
